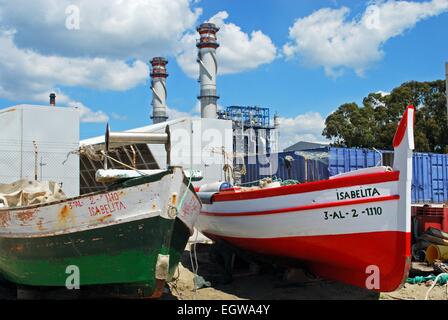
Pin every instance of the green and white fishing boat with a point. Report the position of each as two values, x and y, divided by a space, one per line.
130 236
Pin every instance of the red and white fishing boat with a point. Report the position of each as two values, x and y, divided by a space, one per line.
350 227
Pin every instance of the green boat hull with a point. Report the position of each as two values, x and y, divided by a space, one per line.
124 254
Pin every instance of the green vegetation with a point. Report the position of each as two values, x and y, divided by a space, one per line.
373 125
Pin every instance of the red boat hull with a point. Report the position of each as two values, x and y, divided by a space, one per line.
354 227
341 257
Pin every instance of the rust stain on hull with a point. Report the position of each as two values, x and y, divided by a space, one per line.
65 215
26 216
40 225
18 248
5 219
102 219
174 199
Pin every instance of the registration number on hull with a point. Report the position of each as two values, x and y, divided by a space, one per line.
352 213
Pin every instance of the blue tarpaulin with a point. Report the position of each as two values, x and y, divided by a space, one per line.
430 171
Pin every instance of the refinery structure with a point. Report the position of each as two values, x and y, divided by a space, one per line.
215 144
253 132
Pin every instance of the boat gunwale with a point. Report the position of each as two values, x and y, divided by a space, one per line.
113 187
320 185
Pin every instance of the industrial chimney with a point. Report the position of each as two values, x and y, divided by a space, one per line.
158 88
208 68
53 99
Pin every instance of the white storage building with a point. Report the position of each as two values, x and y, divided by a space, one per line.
34 143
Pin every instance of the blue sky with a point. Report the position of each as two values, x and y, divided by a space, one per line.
307 58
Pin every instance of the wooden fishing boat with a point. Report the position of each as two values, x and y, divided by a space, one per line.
130 236
353 227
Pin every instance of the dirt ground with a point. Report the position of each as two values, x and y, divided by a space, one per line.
250 281
267 287
274 284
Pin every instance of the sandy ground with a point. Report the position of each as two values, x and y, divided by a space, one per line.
278 285
266 283
264 287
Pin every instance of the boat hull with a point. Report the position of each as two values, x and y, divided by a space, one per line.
354 227
123 253
130 237
341 228
346 258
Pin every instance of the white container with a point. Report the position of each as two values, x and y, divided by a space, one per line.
55 132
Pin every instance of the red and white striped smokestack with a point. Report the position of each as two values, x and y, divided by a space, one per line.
208 69
158 88
53 99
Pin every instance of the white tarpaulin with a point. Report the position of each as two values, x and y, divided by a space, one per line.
23 193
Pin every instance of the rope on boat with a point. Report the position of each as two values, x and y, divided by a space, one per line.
194 266
123 164
287 182
181 202
228 168
436 280
86 150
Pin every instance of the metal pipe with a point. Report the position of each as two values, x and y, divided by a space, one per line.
53 99
127 138
120 139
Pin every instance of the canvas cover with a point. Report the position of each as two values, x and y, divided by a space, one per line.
24 192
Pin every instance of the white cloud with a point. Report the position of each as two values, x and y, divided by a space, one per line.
174 113
88 115
22 70
383 93
39 54
28 75
107 28
303 127
238 50
328 38
117 116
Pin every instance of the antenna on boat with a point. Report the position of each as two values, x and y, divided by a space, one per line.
106 141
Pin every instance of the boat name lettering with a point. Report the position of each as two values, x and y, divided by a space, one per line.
112 197
352 213
356 194
190 207
75 204
108 208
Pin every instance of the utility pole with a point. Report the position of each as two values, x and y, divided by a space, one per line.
446 88
35 160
